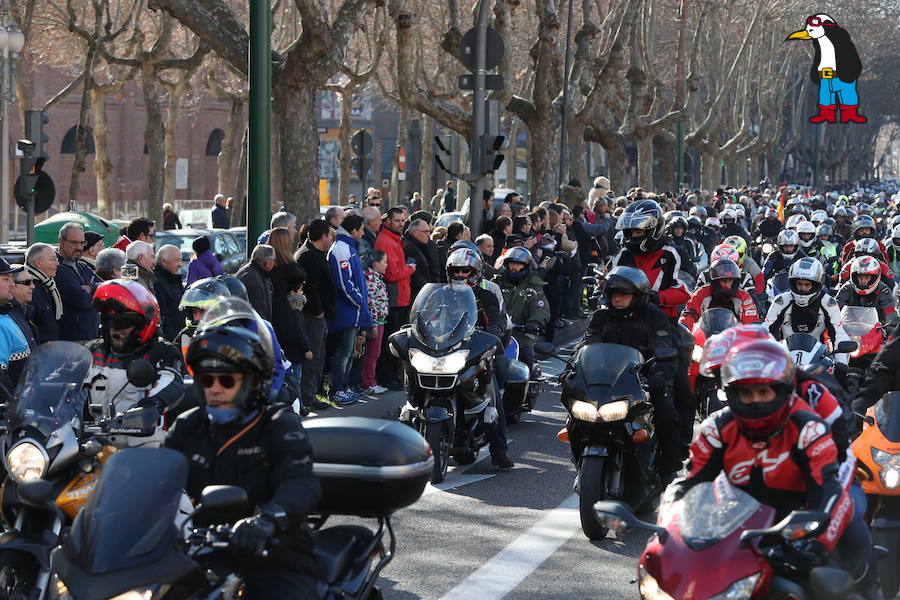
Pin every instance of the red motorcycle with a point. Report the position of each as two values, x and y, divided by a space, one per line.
864 327
710 323
718 543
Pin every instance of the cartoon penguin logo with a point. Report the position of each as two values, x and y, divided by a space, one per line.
836 67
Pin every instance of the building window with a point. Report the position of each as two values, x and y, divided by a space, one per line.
214 143
68 143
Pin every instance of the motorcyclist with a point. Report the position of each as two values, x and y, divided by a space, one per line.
198 297
824 233
893 248
526 303
789 252
869 247
630 319
464 268
747 264
237 438
676 228
806 308
714 225
866 288
723 291
862 227
698 232
772 445
730 225
842 222
809 243
129 330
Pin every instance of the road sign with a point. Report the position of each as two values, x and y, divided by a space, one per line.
401 159
362 143
491 82
361 166
468 45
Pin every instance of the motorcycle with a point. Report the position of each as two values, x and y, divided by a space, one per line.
44 440
593 288
520 390
863 327
449 370
777 285
808 351
877 452
125 544
709 545
711 322
610 427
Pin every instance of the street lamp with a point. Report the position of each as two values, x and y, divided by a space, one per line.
12 40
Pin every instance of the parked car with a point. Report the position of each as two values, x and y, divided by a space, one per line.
240 234
224 244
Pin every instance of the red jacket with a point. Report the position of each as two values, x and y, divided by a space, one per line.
397 270
661 268
847 251
742 305
796 468
886 272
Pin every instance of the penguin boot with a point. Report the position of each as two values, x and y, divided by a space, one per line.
849 114
827 114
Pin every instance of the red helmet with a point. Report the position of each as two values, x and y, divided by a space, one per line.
124 303
759 363
865 265
718 346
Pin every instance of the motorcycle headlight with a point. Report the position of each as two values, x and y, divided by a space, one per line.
649 587
890 467
140 594
614 411
26 461
697 355
585 411
450 363
742 588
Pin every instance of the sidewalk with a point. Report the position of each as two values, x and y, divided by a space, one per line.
388 404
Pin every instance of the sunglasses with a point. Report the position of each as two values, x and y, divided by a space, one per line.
228 381
374 203
121 320
25 282
464 270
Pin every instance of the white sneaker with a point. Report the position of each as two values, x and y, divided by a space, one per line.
378 389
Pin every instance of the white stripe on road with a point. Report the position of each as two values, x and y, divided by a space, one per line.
509 567
453 483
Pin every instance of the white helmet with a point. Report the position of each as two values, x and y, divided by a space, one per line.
787 237
895 236
728 216
818 216
806 231
740 211
808 269
793 221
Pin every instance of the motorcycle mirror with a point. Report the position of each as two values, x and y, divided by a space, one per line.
222 497
618 516
665 354
141 373
846 346
37 493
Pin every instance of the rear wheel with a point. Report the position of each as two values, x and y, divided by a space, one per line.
592 488
437 437
887 566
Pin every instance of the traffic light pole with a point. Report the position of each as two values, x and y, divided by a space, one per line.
478 108
4 156
259 189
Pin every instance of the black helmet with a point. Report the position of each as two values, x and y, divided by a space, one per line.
235 286
627 280
677 221
520 255
645 216
862 222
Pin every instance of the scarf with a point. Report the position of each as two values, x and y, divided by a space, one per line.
50 284
89 262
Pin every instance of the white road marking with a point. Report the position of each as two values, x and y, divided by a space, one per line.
452 483
509 567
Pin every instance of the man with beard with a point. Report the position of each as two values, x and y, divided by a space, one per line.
76 284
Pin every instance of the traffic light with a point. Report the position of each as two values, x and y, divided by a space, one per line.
490 146
447 154
34 131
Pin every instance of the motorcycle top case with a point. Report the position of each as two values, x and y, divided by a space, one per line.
368 467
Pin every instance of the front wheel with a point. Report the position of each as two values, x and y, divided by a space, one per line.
887 566
438 438
592 489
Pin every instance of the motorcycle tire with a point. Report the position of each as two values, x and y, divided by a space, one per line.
592 489
887 566
437 438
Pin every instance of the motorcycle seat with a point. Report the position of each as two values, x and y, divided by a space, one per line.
337 548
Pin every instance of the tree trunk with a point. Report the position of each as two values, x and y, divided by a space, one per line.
102 164
664 142
154 138
577 149
734 169
81 129
426 167
710 170
345 152
644 145
540 161
225 160
239 192
295 102
511 153
615 158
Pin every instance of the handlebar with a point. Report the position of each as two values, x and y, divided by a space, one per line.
217 538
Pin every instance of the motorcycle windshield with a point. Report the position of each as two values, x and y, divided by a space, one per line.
716 320
895 268
601 364
887 415
50 392
129 519
781 283
443 315
805 349
713 510
859 320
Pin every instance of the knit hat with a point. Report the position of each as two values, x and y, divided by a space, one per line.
91 238
201 245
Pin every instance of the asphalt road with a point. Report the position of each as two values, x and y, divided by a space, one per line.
487 534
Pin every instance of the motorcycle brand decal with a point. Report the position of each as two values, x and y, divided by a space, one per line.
816 449
837 519
813 394
812 431
710 431
247 451
740 472
701 447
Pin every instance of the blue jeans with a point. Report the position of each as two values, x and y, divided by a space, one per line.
834 91
342 358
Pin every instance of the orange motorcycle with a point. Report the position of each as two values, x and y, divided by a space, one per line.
877 452
50 454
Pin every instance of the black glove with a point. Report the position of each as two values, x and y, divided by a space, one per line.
251 535
803 555
654 297
532 327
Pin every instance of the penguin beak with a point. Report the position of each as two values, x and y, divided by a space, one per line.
799 35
